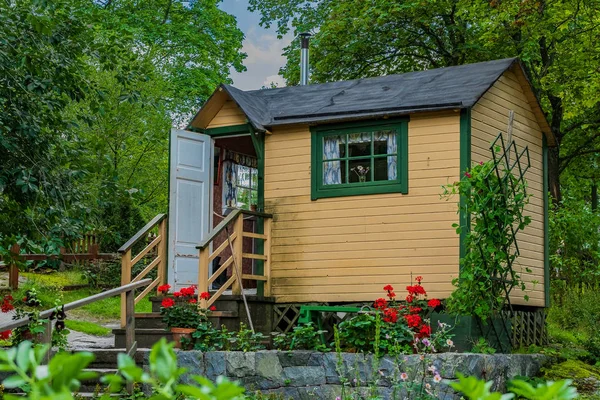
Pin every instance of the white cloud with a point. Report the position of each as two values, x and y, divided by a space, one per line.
264 60
276 79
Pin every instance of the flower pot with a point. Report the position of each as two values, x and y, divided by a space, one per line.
179 333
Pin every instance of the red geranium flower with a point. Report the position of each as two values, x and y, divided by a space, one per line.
164 288
390 315
416 290
168 302
6 304
391 295
413 320
389 288
205 295
434 303
415 310
424 331
189 291
192 301
213 308
177 294
419 279
380 303
5 335
409 298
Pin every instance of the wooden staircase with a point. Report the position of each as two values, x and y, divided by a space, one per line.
149 327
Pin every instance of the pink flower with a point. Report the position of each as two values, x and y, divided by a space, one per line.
468 175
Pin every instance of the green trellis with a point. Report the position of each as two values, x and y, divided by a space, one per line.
505 180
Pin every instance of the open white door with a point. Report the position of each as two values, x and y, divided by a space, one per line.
189 203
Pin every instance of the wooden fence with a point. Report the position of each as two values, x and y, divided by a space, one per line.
16 258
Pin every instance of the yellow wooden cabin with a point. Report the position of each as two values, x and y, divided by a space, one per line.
342 182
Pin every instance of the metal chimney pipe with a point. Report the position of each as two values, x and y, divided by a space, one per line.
304 38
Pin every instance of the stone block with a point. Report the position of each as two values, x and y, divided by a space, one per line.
304 376
240 364
214 364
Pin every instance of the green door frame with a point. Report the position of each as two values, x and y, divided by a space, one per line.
258 141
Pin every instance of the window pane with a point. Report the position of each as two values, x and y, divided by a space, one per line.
385 168
254 178
385 142
360 170
243 176
243 198
359 144
334 147
334 172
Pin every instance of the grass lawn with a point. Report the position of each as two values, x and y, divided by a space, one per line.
87 327
86 319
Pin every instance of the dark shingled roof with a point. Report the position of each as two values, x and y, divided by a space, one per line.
390 95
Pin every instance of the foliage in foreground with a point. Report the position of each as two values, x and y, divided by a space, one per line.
475 389
64 373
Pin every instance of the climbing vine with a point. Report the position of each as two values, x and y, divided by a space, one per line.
494 201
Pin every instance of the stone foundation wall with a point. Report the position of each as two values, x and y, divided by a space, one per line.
305 374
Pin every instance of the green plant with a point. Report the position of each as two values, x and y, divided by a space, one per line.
245 340
59 380
476 389
482 346
164 377
302 337
495 207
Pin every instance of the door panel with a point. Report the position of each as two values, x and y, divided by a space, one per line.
189 203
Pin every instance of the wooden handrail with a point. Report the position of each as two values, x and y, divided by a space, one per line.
128 260
218 229
141 233
78 303
234 242
228 219
125 290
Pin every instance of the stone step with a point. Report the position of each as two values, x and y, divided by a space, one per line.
145 337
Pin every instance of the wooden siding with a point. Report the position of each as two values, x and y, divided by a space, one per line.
348 248
488 117
229 114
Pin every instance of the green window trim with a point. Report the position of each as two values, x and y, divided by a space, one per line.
399 185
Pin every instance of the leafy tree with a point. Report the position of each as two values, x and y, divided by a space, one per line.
42 47
89 91
556 40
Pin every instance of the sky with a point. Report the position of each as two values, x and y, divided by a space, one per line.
261 45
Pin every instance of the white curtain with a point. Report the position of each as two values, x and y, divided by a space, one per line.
332 174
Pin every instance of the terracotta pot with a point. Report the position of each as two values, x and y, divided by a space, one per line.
179 333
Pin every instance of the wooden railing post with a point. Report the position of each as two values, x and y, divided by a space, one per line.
203 272
13 268
238 250
125 279
161 252
267 253
47 339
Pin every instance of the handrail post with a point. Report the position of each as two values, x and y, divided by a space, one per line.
203 272
238 249
267 253
47 339
13 268
162 252
125 279
130 328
